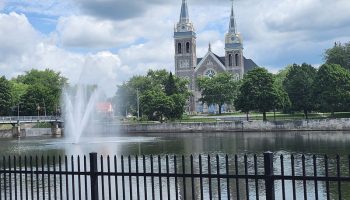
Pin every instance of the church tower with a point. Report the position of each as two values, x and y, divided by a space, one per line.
234 60
185 46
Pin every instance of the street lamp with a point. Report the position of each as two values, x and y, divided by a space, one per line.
18 109
38 109
44 107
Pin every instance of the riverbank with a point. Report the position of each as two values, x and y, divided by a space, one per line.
241 126
200 127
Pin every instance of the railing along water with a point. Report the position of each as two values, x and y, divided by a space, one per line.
172 177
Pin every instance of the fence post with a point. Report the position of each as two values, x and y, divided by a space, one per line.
269 181
93 176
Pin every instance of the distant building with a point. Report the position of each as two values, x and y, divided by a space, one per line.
188 66
104 109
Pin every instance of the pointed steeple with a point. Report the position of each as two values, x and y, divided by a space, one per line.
184 24
232 26
184 17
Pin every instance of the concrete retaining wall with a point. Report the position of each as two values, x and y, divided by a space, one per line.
27 132
252 126
5 133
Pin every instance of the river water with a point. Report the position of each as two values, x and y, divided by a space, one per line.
283 143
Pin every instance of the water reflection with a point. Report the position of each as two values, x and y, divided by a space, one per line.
285 143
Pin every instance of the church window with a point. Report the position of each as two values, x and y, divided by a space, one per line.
230 60
237 60
210 73
187 47
179 50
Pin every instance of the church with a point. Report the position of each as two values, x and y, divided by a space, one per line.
190 67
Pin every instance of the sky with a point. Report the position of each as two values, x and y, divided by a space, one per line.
108 41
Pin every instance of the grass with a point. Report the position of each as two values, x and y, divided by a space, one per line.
252 116
5 127
42 125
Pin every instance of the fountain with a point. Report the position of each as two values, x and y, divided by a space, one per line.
79 104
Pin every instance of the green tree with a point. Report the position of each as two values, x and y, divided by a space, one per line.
257 92
159 82
299 86
332 88
243 102
17 91
338 54
5 96
282 101
33 100
44 91
219 89
170 87
157 105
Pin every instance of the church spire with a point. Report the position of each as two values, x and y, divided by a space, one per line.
232 27
184 17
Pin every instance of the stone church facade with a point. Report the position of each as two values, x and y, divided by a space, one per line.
188 66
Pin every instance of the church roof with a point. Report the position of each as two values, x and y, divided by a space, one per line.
221 59
249 64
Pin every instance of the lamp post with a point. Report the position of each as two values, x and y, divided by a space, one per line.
138 105
38 109
18 111
44 107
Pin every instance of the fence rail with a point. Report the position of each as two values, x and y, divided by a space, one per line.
175 177
15 119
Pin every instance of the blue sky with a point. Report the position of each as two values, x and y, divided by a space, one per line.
108 41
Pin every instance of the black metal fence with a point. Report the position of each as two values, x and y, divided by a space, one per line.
175 177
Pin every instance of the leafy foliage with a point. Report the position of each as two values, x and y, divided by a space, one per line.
43 92
332 88
161 94
339 54
257 92
5 96
219 89
299 86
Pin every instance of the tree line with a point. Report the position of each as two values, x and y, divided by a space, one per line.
156 96
37 92
159 95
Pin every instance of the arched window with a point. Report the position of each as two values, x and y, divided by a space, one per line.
179 50
187 47
237 60
230 60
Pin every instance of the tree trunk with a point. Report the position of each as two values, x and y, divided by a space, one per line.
306 115
220 109
264 116
247 116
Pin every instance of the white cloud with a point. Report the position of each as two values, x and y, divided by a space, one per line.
275 33
25 49
16 35
84 31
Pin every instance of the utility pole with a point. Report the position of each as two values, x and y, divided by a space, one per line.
44 107
138 105
18 111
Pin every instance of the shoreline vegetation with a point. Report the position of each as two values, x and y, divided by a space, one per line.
227 117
